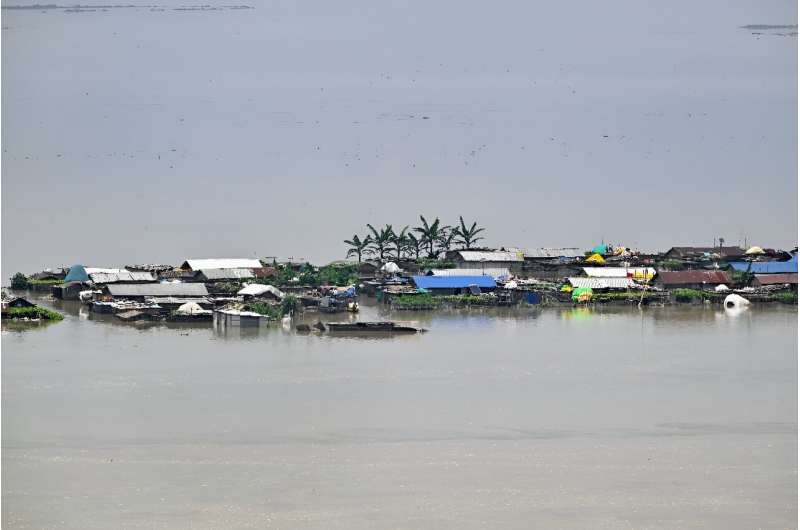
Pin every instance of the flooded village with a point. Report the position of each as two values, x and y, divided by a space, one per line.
429 267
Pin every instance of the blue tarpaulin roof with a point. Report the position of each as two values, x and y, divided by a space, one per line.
767 267
77 273
453 282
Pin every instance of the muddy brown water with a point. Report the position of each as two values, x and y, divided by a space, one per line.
574 418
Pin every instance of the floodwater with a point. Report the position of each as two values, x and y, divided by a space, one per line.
614 418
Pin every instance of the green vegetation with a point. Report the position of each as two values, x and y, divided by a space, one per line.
671 265
20 281
426 263
469 299
434 238
626 296
468 236
289 305
742 278
48 281
339 275
428 301
227 287
381 239
690 295
32 313
274 312
421 300
359 247
786 298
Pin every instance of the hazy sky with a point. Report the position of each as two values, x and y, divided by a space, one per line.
134 135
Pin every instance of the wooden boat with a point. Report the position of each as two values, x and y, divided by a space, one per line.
370 327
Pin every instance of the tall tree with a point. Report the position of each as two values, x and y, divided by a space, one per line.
400 242
430 233
468 236
447 238
414 245
359 247
381 239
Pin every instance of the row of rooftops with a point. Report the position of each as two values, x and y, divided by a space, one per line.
490 263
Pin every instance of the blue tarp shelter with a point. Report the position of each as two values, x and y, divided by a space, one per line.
77 273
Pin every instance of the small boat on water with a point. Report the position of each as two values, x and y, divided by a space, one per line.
370 327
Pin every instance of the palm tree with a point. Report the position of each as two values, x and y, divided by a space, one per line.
414 245
429 235
359 246
400 242
381 239
468 236
446 239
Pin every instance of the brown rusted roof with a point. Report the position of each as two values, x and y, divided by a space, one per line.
690 277
684 252
264 272
777 279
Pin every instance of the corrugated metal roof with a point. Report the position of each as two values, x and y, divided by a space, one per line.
767 267
690 277
453 282
172 300
777 279
221 263
566 252
157 289
95 270
121 276
227 274
603 283
493 272
620 272
479 255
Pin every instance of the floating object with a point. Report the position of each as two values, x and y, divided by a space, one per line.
721 287
734 301
352 307
370 327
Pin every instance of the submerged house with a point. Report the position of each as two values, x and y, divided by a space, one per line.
448 285
16 302
692 279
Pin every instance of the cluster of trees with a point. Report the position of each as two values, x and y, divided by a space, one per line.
430 239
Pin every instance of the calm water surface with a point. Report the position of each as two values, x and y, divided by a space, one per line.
613 418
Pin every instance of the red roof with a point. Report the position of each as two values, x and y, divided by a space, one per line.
777 279
692 277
